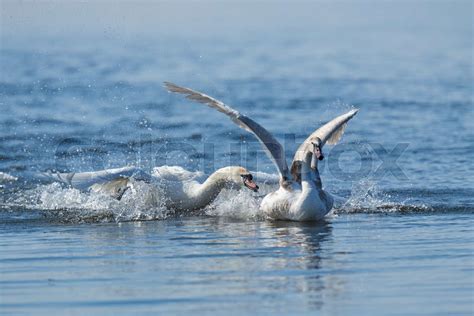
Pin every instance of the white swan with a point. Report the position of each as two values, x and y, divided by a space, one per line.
300 198
178 188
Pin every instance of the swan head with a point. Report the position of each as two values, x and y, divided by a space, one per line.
236 176
317 148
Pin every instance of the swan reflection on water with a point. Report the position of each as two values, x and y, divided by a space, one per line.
305 259
225 256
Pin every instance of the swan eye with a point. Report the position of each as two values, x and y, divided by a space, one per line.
247 176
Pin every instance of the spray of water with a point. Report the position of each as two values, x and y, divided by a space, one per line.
145 201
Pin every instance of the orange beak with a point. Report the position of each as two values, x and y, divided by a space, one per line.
248 182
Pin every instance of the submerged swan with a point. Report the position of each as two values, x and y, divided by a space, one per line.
180 189
300 198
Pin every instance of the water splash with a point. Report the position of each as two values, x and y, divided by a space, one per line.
58 203
366 197
241 204
146 201
5 177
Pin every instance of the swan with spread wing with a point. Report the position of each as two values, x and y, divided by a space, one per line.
300 196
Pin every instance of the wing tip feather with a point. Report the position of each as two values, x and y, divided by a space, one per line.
353 112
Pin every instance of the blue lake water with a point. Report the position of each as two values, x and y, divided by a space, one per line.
81 90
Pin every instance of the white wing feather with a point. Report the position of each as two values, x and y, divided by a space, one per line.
337 135
272 147
84 180
329 133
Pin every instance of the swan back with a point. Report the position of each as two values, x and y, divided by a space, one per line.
177 173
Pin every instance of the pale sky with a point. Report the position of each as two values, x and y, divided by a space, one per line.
52 18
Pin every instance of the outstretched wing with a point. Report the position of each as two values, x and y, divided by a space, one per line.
329 133
272 147
112 182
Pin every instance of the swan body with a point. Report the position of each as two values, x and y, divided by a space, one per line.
300 196
178 188
305 204
193 195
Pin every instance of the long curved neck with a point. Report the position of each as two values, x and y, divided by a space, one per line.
310 172
208 191
306 170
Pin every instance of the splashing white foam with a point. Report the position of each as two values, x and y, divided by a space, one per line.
146 201
142 202
54 196
5 177
241 204
366 197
